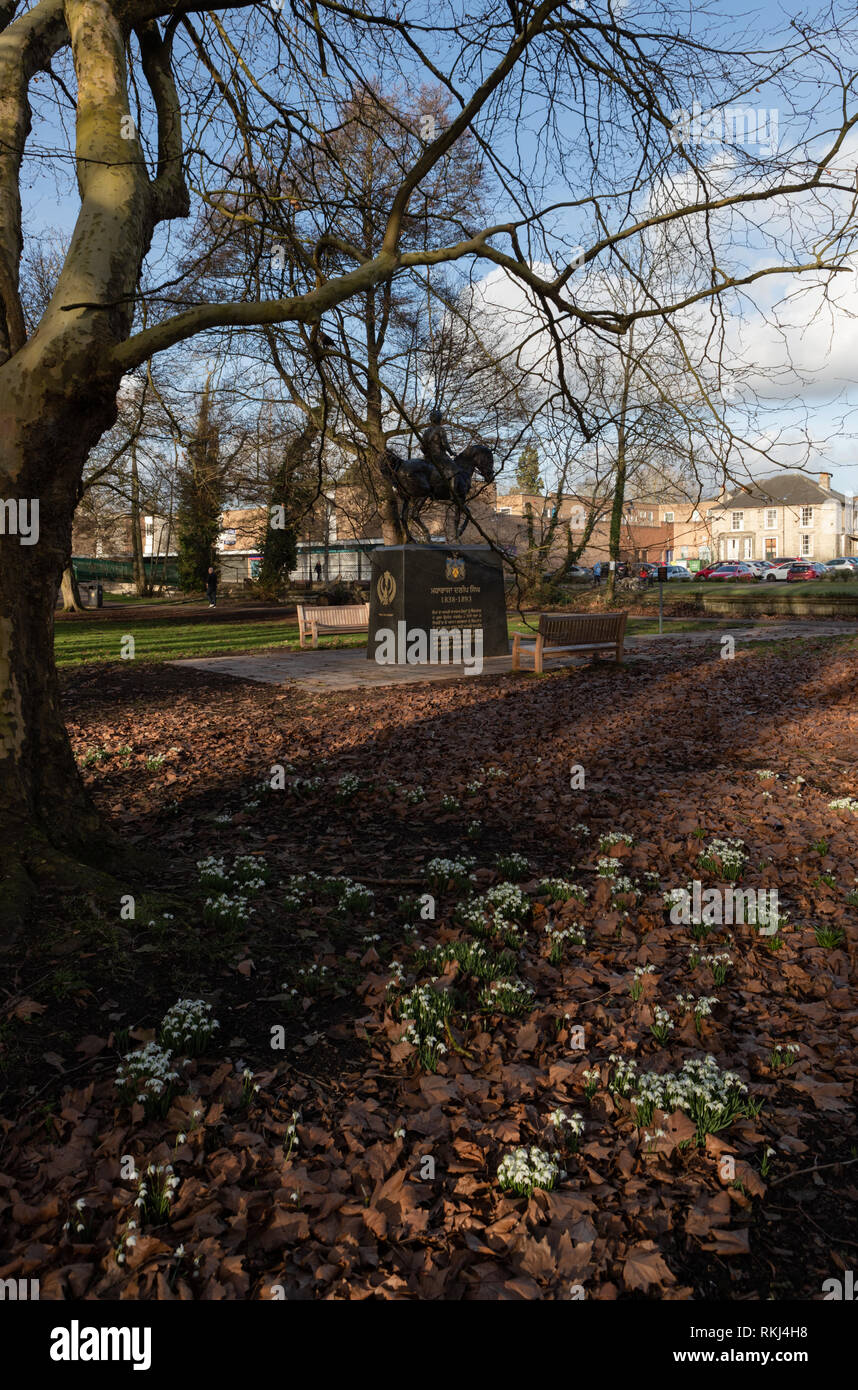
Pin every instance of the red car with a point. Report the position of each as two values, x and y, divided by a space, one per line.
806 569
733 569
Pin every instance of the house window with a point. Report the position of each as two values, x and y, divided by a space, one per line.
737 521
771 518
807 545
668 516
748 546
806 519
504 511
771 547
695 515
150 526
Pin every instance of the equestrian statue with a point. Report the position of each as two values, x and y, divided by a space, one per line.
438 475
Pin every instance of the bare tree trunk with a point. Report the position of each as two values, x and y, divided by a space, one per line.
140 587
616 532
72 601
42 799
45 813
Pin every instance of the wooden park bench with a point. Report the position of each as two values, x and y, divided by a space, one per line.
560 633
319 620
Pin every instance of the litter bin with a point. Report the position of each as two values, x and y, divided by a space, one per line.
99 596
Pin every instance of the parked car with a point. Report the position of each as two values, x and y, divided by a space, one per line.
779 570
678 572
578 572
733 570
806 569
844 563
707 570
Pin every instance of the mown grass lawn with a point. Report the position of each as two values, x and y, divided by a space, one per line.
170 639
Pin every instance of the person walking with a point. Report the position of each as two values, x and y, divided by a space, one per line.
211 586
597 571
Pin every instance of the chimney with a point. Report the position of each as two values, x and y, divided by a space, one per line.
825 481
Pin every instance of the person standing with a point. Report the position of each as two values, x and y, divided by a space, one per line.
211 586
597 571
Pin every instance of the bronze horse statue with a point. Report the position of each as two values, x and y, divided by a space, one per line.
417 480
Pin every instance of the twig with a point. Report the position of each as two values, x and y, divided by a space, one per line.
817 1168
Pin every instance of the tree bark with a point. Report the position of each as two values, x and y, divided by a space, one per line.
72 601
43 803
391 527
44 441
140 587
616 532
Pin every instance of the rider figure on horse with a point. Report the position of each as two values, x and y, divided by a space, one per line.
435 446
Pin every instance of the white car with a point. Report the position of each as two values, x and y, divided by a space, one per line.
843 562
778 571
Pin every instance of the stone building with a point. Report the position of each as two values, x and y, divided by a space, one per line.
788 514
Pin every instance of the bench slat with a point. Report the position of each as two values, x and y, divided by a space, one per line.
572 632
316 618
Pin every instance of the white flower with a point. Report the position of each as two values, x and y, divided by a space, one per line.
523 1170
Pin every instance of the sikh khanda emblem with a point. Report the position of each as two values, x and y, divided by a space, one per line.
455 568
386 587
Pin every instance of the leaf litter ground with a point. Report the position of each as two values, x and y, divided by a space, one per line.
343 1168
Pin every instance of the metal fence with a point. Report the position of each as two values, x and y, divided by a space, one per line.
159 569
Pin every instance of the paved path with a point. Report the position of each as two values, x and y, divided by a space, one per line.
345 669
349 669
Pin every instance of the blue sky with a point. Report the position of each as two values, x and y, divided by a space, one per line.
823 398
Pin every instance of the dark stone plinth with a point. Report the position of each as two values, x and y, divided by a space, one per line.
426 589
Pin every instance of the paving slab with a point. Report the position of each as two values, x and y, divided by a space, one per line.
348 668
